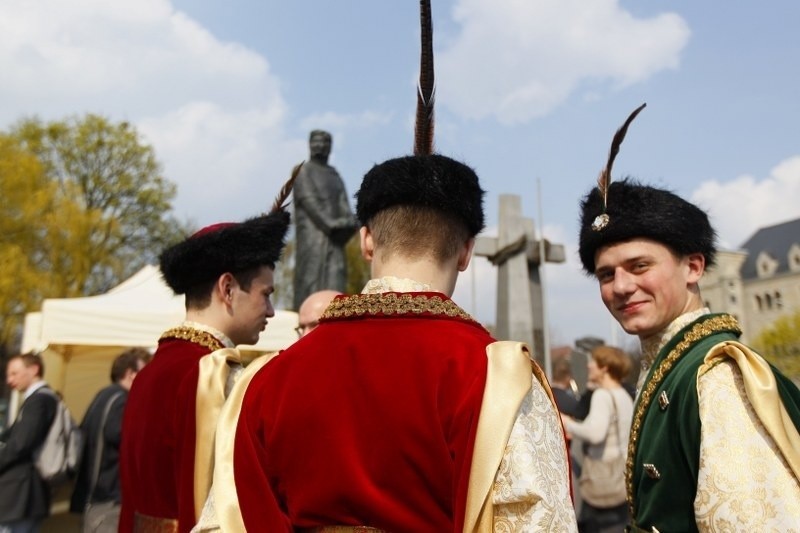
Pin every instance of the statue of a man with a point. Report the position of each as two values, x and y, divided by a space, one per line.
324 223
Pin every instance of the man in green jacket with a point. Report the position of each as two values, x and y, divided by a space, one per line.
714 443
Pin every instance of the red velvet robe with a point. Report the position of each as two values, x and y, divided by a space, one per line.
158 435
368 420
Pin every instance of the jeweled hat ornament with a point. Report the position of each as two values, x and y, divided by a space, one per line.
625 209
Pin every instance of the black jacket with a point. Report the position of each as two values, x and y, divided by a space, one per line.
107 487
23 493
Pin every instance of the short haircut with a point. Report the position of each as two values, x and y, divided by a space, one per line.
415 232
562 369
199 296
128 360
29 359
614 360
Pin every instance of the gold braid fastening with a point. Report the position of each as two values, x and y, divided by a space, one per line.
185 333
700 330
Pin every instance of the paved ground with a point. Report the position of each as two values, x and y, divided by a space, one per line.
60 519
62 523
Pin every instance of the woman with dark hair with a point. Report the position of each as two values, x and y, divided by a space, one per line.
605 429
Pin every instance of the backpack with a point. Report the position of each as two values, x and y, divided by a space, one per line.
58 458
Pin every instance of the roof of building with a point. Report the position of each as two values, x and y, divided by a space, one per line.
774 240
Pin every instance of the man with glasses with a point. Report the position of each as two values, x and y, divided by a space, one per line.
311 309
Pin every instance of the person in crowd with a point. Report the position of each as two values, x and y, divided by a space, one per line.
562 385
714 443
312 308
96 494
605 430
225 272
24 495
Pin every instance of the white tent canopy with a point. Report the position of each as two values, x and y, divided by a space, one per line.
80 337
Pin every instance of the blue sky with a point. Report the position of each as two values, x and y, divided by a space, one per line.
528 90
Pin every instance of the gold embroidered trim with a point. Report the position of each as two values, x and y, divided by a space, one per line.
700 330
185 333
393 304
143 523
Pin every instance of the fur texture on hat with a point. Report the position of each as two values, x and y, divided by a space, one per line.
636 210
226 247
433 181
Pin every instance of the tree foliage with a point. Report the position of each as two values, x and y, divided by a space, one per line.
780 344
84 206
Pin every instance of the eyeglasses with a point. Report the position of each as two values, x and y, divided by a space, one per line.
302 329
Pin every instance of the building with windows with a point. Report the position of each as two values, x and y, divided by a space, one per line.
761 282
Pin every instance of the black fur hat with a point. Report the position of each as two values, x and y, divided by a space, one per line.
634 210
227 247
433 181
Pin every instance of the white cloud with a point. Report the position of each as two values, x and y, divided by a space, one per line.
337 121
212 110
519 60
220 159
120 57
740 207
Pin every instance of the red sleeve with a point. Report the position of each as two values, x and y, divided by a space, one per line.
185 421
257 501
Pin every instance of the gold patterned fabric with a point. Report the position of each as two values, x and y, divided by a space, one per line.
749 456
519 480
532 491
143 523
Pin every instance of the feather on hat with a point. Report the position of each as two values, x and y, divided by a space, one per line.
425 179
618 211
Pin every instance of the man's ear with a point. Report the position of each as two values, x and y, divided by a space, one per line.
696 265
465 254
367 244
224 286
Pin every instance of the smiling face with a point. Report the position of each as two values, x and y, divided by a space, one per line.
646 286
251 308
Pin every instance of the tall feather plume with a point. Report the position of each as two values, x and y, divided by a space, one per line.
423 129
281 201
604 180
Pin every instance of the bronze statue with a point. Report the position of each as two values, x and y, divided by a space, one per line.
324 223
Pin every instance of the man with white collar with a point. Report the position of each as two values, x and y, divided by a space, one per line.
24 495
400 412
714 444
225 272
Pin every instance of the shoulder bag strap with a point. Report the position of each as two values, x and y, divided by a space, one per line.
616 422
100 442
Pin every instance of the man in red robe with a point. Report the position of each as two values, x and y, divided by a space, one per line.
225 272
399 412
